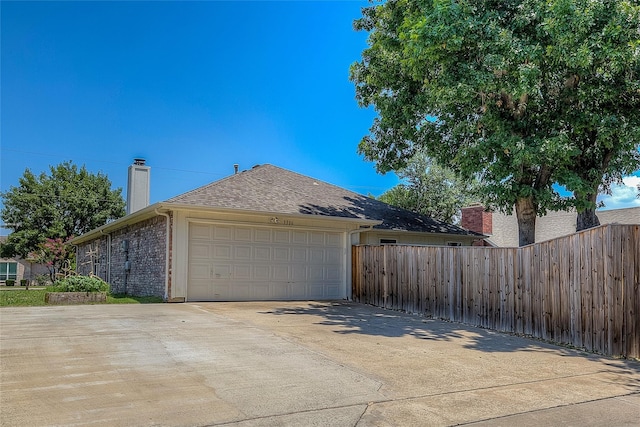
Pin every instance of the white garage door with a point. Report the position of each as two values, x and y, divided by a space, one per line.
242 263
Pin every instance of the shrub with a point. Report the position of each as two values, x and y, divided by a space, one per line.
80 284
23 282
42 280
10 282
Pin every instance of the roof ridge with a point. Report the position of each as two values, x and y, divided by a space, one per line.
307 177
212 183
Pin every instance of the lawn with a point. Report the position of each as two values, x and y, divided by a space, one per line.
35 297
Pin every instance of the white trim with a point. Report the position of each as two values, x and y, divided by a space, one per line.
262 225
194 208
166 253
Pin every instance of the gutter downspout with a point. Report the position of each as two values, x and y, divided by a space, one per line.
349 259
108 256
166 255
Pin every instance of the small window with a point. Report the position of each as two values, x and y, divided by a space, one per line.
8 270
454 244
387 241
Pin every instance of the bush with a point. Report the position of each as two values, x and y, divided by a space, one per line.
23 282
10 282
80 284
42 280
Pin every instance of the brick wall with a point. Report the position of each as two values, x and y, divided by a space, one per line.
145 251
476 218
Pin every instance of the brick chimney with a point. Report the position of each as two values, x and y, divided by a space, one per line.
476 218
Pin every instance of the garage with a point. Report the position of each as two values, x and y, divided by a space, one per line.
261 234
248 263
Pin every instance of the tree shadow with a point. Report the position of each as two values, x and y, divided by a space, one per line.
354 318
392 217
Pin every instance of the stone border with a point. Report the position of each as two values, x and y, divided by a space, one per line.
63 298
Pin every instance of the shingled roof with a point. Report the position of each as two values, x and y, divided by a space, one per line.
267 188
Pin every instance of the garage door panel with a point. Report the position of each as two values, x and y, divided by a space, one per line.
281 236
221 271
299 255
199 290
281 254
261 272
262 253
260 291
299 273
239 291
298 291
333 239
261 235
222 233
280 272
242 253
316 272
299 237
200 232
333 256
200 251
278 290
241 272
198 271
331 274
222 252
243 234
331 290
316 256
316 238
235 263
316 291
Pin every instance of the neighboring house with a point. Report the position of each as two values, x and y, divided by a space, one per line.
503 229
262 234
18 269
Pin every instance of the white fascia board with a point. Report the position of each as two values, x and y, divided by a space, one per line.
142 214
152 210
213 209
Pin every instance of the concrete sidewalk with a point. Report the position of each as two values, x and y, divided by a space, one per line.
292 363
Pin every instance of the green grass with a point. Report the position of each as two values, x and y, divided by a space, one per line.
35 297
21 297
129 299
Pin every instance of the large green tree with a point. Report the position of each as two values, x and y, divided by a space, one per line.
67 202
489 88
431 189
598 44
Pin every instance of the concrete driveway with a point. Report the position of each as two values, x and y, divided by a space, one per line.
302 364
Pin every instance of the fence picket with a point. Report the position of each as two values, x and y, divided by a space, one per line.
630 292
581 289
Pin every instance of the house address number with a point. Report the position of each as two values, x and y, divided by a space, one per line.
276 220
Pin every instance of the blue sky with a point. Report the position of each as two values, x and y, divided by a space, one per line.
192 87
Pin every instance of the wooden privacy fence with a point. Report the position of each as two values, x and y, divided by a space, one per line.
581 289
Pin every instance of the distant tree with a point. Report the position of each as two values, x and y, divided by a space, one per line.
501 90
431 190
64 203
56 254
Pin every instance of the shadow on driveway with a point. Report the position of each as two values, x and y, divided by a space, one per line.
359 319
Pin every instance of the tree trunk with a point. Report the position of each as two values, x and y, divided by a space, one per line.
526 215
588 218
